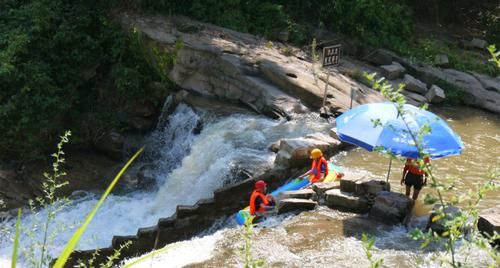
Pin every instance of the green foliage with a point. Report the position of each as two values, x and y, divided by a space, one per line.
51 53
368 244
246 251
36 250
377 22
495 55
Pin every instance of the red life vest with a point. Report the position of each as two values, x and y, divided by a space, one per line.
253 198
316 169
412 166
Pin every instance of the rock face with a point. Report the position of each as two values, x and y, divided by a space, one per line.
435 94
475 93
415 85
391 207
346 201
295 204
111 144
88 171
218 62
295 152
489 221
393 70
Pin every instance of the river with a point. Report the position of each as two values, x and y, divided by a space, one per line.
191 166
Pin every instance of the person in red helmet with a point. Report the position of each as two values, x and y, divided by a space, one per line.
259 201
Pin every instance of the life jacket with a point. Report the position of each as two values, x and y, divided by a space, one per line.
256 194
316 169
412 166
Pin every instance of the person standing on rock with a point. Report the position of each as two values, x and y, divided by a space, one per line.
414 176
260 201
319 167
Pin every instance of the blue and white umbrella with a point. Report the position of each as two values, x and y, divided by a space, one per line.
394 134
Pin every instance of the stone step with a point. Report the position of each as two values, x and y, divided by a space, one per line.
346 201
321 187
370 186
348 182
298 194
295 205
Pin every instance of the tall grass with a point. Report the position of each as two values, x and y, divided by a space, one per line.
16 240
70 246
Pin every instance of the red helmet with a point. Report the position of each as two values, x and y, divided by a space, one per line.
260 184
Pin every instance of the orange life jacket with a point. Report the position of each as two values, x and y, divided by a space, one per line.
253 198
316 169
412 166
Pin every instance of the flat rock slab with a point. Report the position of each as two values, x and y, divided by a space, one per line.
489 221
348 182
321 187
390 207
393 70
295 204
298 194
346 201
370 186
414 85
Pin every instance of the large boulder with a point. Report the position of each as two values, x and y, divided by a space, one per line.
435 94
348 182
295 152
370 186
379 57
393 70
295 205
489 83
390 207
415 85
346 201
489 221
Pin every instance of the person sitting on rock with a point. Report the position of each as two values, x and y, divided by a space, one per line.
413 175
259 201
319 167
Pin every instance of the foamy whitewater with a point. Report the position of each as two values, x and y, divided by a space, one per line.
189 167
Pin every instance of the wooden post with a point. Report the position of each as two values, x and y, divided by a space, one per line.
326 87
389 170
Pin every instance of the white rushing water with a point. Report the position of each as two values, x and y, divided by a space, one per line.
188 167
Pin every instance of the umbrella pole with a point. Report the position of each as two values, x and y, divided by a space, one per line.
389 170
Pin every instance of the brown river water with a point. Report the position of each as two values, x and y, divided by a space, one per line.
329 238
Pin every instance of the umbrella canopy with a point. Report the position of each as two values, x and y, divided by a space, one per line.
357 127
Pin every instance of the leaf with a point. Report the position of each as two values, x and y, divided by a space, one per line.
437 218
79 232
16 240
